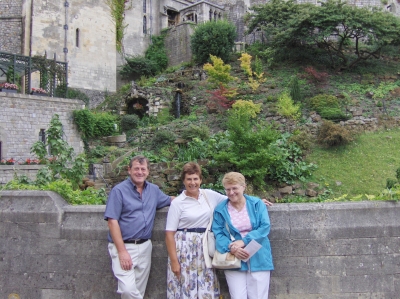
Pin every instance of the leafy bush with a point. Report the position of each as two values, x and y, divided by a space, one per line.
213 38
85 121
334 114
202 132
245 109
137 66
104 124
218 72
62 162
391 183
322 101
302 139
295 93
287 108
129 122
162 138
157 52
332 134
287 164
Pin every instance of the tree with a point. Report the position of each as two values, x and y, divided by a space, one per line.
348 34
213 38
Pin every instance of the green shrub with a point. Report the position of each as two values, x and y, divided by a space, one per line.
398 174
391 183
129 122
85 121
287 108
322 101
137 66
334 114
162 138
213 38
104 124
302 139
202 132
332 134
295 90
157 53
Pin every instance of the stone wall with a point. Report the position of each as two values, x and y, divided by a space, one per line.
7 172
23 116
336 250
11 26
177 43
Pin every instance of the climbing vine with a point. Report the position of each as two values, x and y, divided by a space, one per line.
117 13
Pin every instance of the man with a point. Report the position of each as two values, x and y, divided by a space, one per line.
130 212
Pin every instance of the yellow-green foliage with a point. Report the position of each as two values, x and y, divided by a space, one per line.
245 64
287 108
254 84
246 108
218 72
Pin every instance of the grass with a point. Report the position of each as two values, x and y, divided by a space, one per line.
362 167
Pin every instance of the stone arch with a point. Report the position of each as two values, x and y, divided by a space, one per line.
138 106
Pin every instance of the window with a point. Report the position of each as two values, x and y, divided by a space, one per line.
42 135
219 16
144 25
77 38
215 15
210 15
144 6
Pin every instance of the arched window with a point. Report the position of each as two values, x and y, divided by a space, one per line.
195 18
144 25
215 15
219 16
210 15
42 135
144 6
77 38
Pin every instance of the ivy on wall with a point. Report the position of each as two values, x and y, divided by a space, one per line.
117 13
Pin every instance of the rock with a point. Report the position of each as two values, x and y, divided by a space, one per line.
286 190
338 183
312 185
311 193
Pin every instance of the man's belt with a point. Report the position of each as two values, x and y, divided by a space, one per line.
192 230
135 241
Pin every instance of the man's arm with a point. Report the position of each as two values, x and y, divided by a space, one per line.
115 231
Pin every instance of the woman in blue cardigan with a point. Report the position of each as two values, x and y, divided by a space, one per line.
247 219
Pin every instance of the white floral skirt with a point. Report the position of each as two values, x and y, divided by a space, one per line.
197 281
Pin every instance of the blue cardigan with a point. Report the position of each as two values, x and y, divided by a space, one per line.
258 214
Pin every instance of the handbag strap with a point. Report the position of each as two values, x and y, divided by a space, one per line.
212 216
211 210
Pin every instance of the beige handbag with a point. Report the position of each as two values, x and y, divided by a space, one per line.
226 260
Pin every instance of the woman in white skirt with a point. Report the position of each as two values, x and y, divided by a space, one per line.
188 216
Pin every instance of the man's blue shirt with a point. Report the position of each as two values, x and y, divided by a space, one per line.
135 215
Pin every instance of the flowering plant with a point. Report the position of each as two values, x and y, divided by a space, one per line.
30 162
38 90
10 161
9 86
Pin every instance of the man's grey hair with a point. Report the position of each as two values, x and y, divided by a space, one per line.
141 159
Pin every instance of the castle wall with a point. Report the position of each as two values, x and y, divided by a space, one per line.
50 249
23 116
92 59
177 43
11 23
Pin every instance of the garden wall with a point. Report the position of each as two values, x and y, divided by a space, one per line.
7 172
335 250
22 117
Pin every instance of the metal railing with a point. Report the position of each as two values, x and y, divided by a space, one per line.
53 74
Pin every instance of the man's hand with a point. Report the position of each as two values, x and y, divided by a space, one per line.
267 203
125 260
